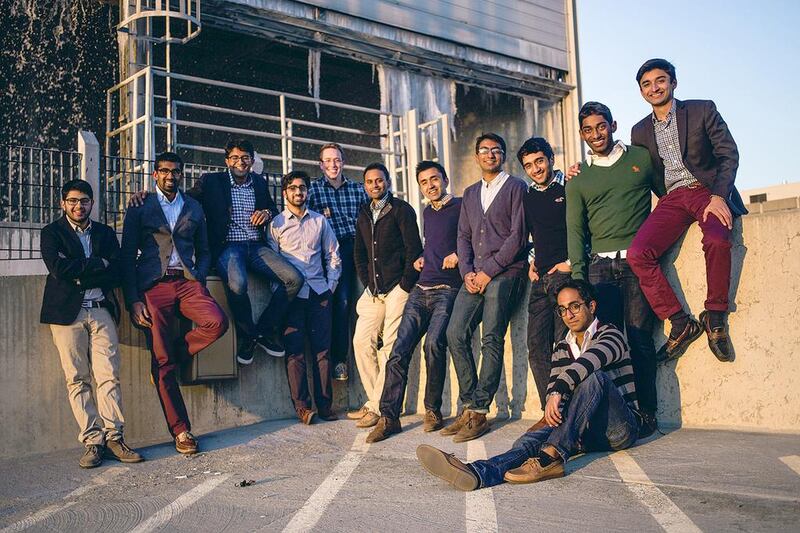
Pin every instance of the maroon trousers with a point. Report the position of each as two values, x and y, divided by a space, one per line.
672 216
167 301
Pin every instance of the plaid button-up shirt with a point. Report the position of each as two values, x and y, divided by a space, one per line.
243 203
669 148
340 206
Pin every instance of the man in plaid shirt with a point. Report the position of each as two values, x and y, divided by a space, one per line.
339 199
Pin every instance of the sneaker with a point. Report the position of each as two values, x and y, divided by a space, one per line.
456 426
92 456
119 451
272 343
186 443
676 347
306 416
531 471
340 372
245 353
368 420
447 467
433 421
357 415
385 428
475 426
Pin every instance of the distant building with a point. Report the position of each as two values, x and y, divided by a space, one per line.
772 198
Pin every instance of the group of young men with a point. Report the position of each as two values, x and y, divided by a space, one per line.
595 283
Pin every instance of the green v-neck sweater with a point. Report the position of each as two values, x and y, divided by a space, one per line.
606 206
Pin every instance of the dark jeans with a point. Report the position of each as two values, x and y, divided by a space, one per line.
309 318
342 335
426 313
596 419
493 308
544 327
622 302
232 266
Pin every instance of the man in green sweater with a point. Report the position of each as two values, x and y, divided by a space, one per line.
606 203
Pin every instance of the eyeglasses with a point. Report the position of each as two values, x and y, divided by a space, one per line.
75 201
168 171
295 188
244 159
336 161
573 308
483 150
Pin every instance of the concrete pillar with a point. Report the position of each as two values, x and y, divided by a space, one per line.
89 149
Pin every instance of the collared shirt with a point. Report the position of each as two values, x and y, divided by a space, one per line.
243 203
172 211
669 148
489 189
309 244
570 339
558 179
607 160
340 206
377 207
85 236
438 204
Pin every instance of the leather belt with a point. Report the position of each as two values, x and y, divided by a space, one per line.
173 273
94 304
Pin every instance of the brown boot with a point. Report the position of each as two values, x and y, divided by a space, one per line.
306 416
385 428
475 426
457 424
368 420
531 471
433 421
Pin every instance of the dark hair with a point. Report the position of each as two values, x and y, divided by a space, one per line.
242 144
378 166
652 64
76 185
594 108
584 288
492 137
170 157
336 146
422 166
293 175
534 145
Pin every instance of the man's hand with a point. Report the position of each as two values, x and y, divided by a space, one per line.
572 171
469 283
552 414
260 217
482 279
140 314
419 264
719 208
563 267
137 199
533 274
451 261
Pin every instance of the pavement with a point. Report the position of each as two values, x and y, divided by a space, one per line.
325 478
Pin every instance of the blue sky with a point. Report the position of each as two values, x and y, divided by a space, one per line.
743 55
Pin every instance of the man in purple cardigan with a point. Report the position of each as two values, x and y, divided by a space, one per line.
492 262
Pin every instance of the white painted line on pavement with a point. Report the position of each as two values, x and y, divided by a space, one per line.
310 513
186 500
481 511
793 462
101 479
665 512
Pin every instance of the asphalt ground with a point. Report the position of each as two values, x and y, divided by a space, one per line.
325 478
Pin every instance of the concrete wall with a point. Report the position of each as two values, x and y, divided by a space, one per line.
760 390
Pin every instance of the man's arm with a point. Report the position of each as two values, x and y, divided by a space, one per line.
577 230
412 246
466 254
360 258
724 149
202 253
108 249
330 249
608 347
61 266
198 188
515 243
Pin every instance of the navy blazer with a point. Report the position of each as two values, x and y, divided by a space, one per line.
213 191
146 230
71 272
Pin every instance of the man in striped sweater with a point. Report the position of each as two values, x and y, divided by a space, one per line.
591 404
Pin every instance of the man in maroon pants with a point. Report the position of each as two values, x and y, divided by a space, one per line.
692 148
165 282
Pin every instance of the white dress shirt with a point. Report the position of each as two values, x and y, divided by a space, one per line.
85 236
490 189
172 211
570 339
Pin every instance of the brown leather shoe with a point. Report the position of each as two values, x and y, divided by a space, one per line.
118 450
447 467
537 426
306 416
457 424
433 421
368 420
357 415
385 428
531 471
328 415
92 456
186 444
674 348
718 339
475 426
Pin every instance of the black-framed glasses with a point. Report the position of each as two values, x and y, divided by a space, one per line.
75 201
244 159
483 150
295 188
167 171
573 308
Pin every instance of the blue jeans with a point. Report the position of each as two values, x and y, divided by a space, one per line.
425 311
232 266
343 301
493 308
596 419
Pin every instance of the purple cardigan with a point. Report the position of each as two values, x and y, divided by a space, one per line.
493 242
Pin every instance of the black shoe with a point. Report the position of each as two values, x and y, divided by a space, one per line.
676 347
272 344
718 339
649 425
245 353
92 457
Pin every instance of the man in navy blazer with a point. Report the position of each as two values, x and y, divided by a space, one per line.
166 281
80 306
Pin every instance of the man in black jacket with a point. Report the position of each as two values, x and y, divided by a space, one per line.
79 304
386 246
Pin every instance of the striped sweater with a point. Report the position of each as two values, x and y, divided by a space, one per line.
607 352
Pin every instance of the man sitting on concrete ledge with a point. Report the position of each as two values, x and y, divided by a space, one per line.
591 405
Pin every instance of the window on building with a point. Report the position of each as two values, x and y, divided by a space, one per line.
758 198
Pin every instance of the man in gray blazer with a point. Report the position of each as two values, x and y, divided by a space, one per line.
168 277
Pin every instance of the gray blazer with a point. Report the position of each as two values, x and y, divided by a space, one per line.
146 230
